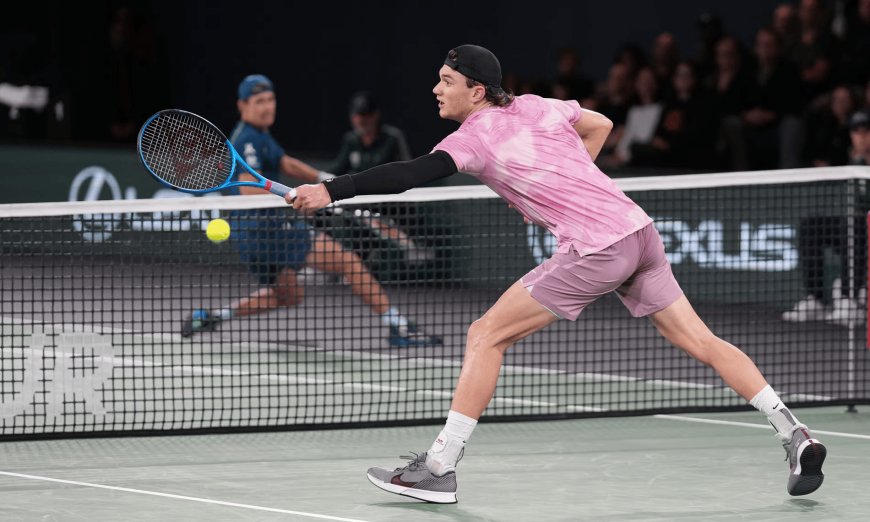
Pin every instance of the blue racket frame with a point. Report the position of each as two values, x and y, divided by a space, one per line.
272 186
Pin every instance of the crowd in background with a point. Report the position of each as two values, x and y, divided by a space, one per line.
785 102
716 104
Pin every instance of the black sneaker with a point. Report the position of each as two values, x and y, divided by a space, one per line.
199 321
411 336
805 456
416 481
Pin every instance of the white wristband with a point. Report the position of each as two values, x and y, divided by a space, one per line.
323 176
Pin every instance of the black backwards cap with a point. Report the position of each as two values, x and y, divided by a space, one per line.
478 64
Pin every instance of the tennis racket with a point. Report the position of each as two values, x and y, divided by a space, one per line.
187 153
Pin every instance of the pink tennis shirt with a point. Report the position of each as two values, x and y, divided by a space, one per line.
530 155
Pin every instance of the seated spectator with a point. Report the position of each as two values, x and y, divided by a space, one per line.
818 233
727 86
827 133
614 101
855 58
633 57
785 24
368 144
570 81
710 32
664 58
641 121
770 108
686 132
815 50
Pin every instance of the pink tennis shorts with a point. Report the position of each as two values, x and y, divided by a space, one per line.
635 267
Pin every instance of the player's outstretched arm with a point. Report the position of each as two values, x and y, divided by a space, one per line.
391 178
593 128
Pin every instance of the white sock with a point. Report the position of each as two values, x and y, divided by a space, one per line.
223 313
445 451
769 403
392 317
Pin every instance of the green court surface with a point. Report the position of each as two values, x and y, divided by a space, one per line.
686 467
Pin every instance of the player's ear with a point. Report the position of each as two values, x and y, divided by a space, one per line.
240 105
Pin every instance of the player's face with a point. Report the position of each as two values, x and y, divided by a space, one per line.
455 97
259 110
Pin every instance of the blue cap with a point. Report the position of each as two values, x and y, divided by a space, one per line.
254 84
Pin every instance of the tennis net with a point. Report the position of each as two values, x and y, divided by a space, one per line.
95 296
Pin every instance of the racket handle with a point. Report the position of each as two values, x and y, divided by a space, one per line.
281 190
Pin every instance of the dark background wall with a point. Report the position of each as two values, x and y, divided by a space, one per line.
317 53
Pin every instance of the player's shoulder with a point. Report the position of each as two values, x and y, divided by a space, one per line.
533 102
547 110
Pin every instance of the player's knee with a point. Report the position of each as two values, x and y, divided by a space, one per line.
482 336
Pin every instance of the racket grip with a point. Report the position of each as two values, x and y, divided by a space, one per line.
281 190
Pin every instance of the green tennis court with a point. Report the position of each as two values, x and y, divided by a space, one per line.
723 466
625 426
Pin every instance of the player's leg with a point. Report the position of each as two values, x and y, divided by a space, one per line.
681 325
328 255
564 284
430 475
513 317
273 252
284 291
653 291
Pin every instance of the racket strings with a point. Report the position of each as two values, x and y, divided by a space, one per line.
186 152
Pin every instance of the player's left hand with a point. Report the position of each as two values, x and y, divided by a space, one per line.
309 198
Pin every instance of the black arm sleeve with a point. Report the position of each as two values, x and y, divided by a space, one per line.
392 178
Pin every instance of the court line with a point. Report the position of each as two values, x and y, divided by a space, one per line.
427 361
752 425
180 497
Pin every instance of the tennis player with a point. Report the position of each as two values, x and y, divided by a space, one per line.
538 155
275 248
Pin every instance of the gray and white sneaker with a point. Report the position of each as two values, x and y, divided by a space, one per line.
805 457
416 481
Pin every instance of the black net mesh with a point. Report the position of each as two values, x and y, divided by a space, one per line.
94 305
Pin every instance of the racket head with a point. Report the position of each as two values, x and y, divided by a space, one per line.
185 151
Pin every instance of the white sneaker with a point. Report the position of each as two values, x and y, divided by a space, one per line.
845 312
807 309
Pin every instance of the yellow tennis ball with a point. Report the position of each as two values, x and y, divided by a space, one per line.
218 230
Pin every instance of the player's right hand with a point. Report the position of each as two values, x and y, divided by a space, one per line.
309 198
